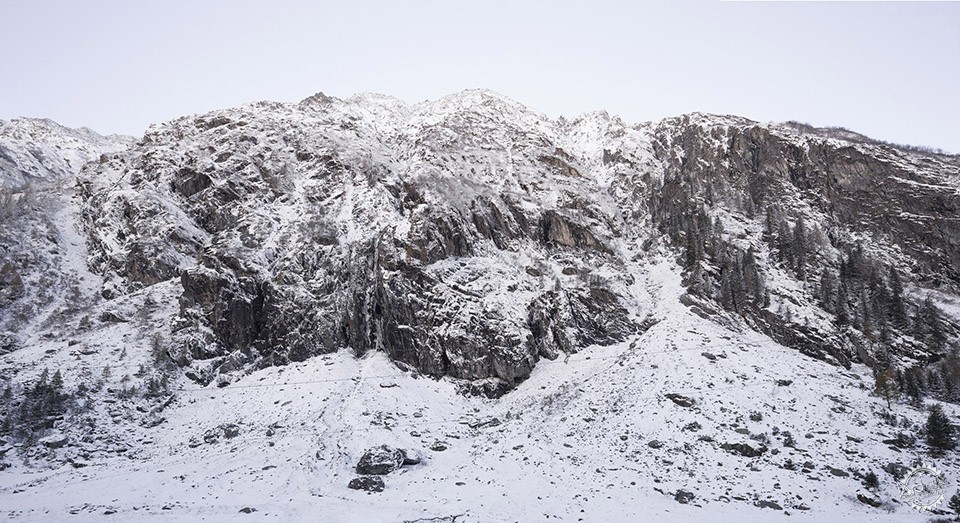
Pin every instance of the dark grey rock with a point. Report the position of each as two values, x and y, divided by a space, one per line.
680 400
380 460
684 497
744 449
838 472
769 504
868 500
367 483
112 317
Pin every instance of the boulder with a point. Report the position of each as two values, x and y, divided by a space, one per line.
682 401
769 504
868 500
838 472
380 460
411 457
743 449
683 496
227 431
368 483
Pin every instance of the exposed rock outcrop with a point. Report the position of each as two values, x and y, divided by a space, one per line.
471 236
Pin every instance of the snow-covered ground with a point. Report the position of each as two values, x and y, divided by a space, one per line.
590 438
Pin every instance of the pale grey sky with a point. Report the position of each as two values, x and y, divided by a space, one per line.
890 70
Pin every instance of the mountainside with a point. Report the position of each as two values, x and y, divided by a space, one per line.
42 254
472 236
704 289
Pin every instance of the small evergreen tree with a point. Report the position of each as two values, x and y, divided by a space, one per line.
841 307
898 311
931 331
939 431
801 248
752 280
828 290
727 298
954 504
913 387
871 481
784 235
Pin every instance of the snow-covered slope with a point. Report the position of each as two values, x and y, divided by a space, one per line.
594 437
578 319
43 258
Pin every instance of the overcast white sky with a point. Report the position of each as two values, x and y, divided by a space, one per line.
888 69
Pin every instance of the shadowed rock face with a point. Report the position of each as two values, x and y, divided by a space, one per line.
466 237
908 200
903 204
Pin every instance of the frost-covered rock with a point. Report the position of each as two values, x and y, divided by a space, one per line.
367 483
380 460
54 441
296 230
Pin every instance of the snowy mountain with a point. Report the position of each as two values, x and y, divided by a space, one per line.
698 318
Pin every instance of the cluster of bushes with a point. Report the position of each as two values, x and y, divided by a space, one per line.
27 410
33 408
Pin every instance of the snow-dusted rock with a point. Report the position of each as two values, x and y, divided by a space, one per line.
367 483
381 460
471 236
54 441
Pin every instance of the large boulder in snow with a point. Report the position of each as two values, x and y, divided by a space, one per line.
380 460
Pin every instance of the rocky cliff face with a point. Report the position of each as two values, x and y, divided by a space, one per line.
897 198
728 182
473 236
